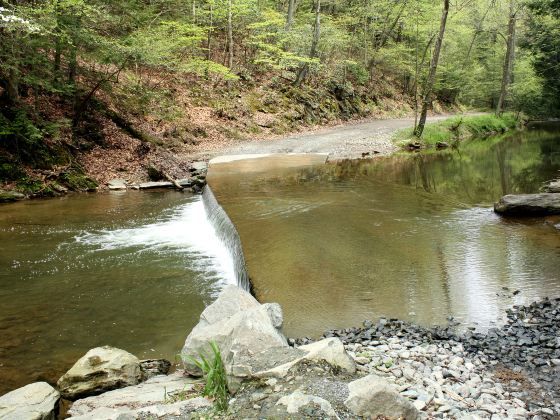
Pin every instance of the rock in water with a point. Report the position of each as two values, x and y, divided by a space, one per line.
101 369
528 204
9 196
372 397
37 401
240 327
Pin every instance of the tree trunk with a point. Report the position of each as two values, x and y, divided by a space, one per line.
314 43
230 35
72 65
210 29
509 59
428 88
291 12
57 48
388 31
12 86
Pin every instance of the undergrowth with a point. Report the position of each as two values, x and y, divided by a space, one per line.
460 128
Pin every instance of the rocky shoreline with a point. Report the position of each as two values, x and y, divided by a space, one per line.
387 369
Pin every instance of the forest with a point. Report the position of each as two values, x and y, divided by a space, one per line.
75 75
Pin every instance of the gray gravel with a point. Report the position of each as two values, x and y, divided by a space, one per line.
340 142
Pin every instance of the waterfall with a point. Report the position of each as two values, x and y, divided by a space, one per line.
227 233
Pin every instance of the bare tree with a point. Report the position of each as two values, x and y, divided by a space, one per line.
429 86
509 58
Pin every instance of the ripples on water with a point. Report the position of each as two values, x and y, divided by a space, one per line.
410 237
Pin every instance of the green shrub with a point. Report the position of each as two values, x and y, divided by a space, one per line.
215 376
77 181
459 128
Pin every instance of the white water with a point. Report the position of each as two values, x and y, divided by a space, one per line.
186 229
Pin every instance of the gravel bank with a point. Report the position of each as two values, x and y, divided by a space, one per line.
346 141
449 372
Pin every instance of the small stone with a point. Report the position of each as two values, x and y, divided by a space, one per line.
419 404
273 381
257 396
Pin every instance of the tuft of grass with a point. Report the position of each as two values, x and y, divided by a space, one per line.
215 377
460 128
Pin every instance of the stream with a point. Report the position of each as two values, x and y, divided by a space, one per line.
411 237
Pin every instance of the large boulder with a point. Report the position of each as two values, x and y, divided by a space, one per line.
101 369
372 397
37 401
529 204
240 327
157 390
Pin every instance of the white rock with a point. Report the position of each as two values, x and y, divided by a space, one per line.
330 350
117 184
101 369
156 390
36 401
296 400
153 411
372 397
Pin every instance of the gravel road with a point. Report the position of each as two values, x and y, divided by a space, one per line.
344 141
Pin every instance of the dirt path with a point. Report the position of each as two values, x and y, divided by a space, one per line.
345 141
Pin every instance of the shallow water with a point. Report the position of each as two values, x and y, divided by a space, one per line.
133 270
410 237
407 237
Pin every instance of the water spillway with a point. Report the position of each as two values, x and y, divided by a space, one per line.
227 233
130 269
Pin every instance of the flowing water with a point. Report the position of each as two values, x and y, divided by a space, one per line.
129 269
406 237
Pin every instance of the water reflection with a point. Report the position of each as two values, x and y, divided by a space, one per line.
410 236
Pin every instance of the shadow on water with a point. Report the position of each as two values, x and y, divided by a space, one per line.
411 237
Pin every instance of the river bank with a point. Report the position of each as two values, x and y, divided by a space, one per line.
390 368
131 162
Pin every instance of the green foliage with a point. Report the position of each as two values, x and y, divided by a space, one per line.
77 181
459 128
215 376
29 185
543 40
